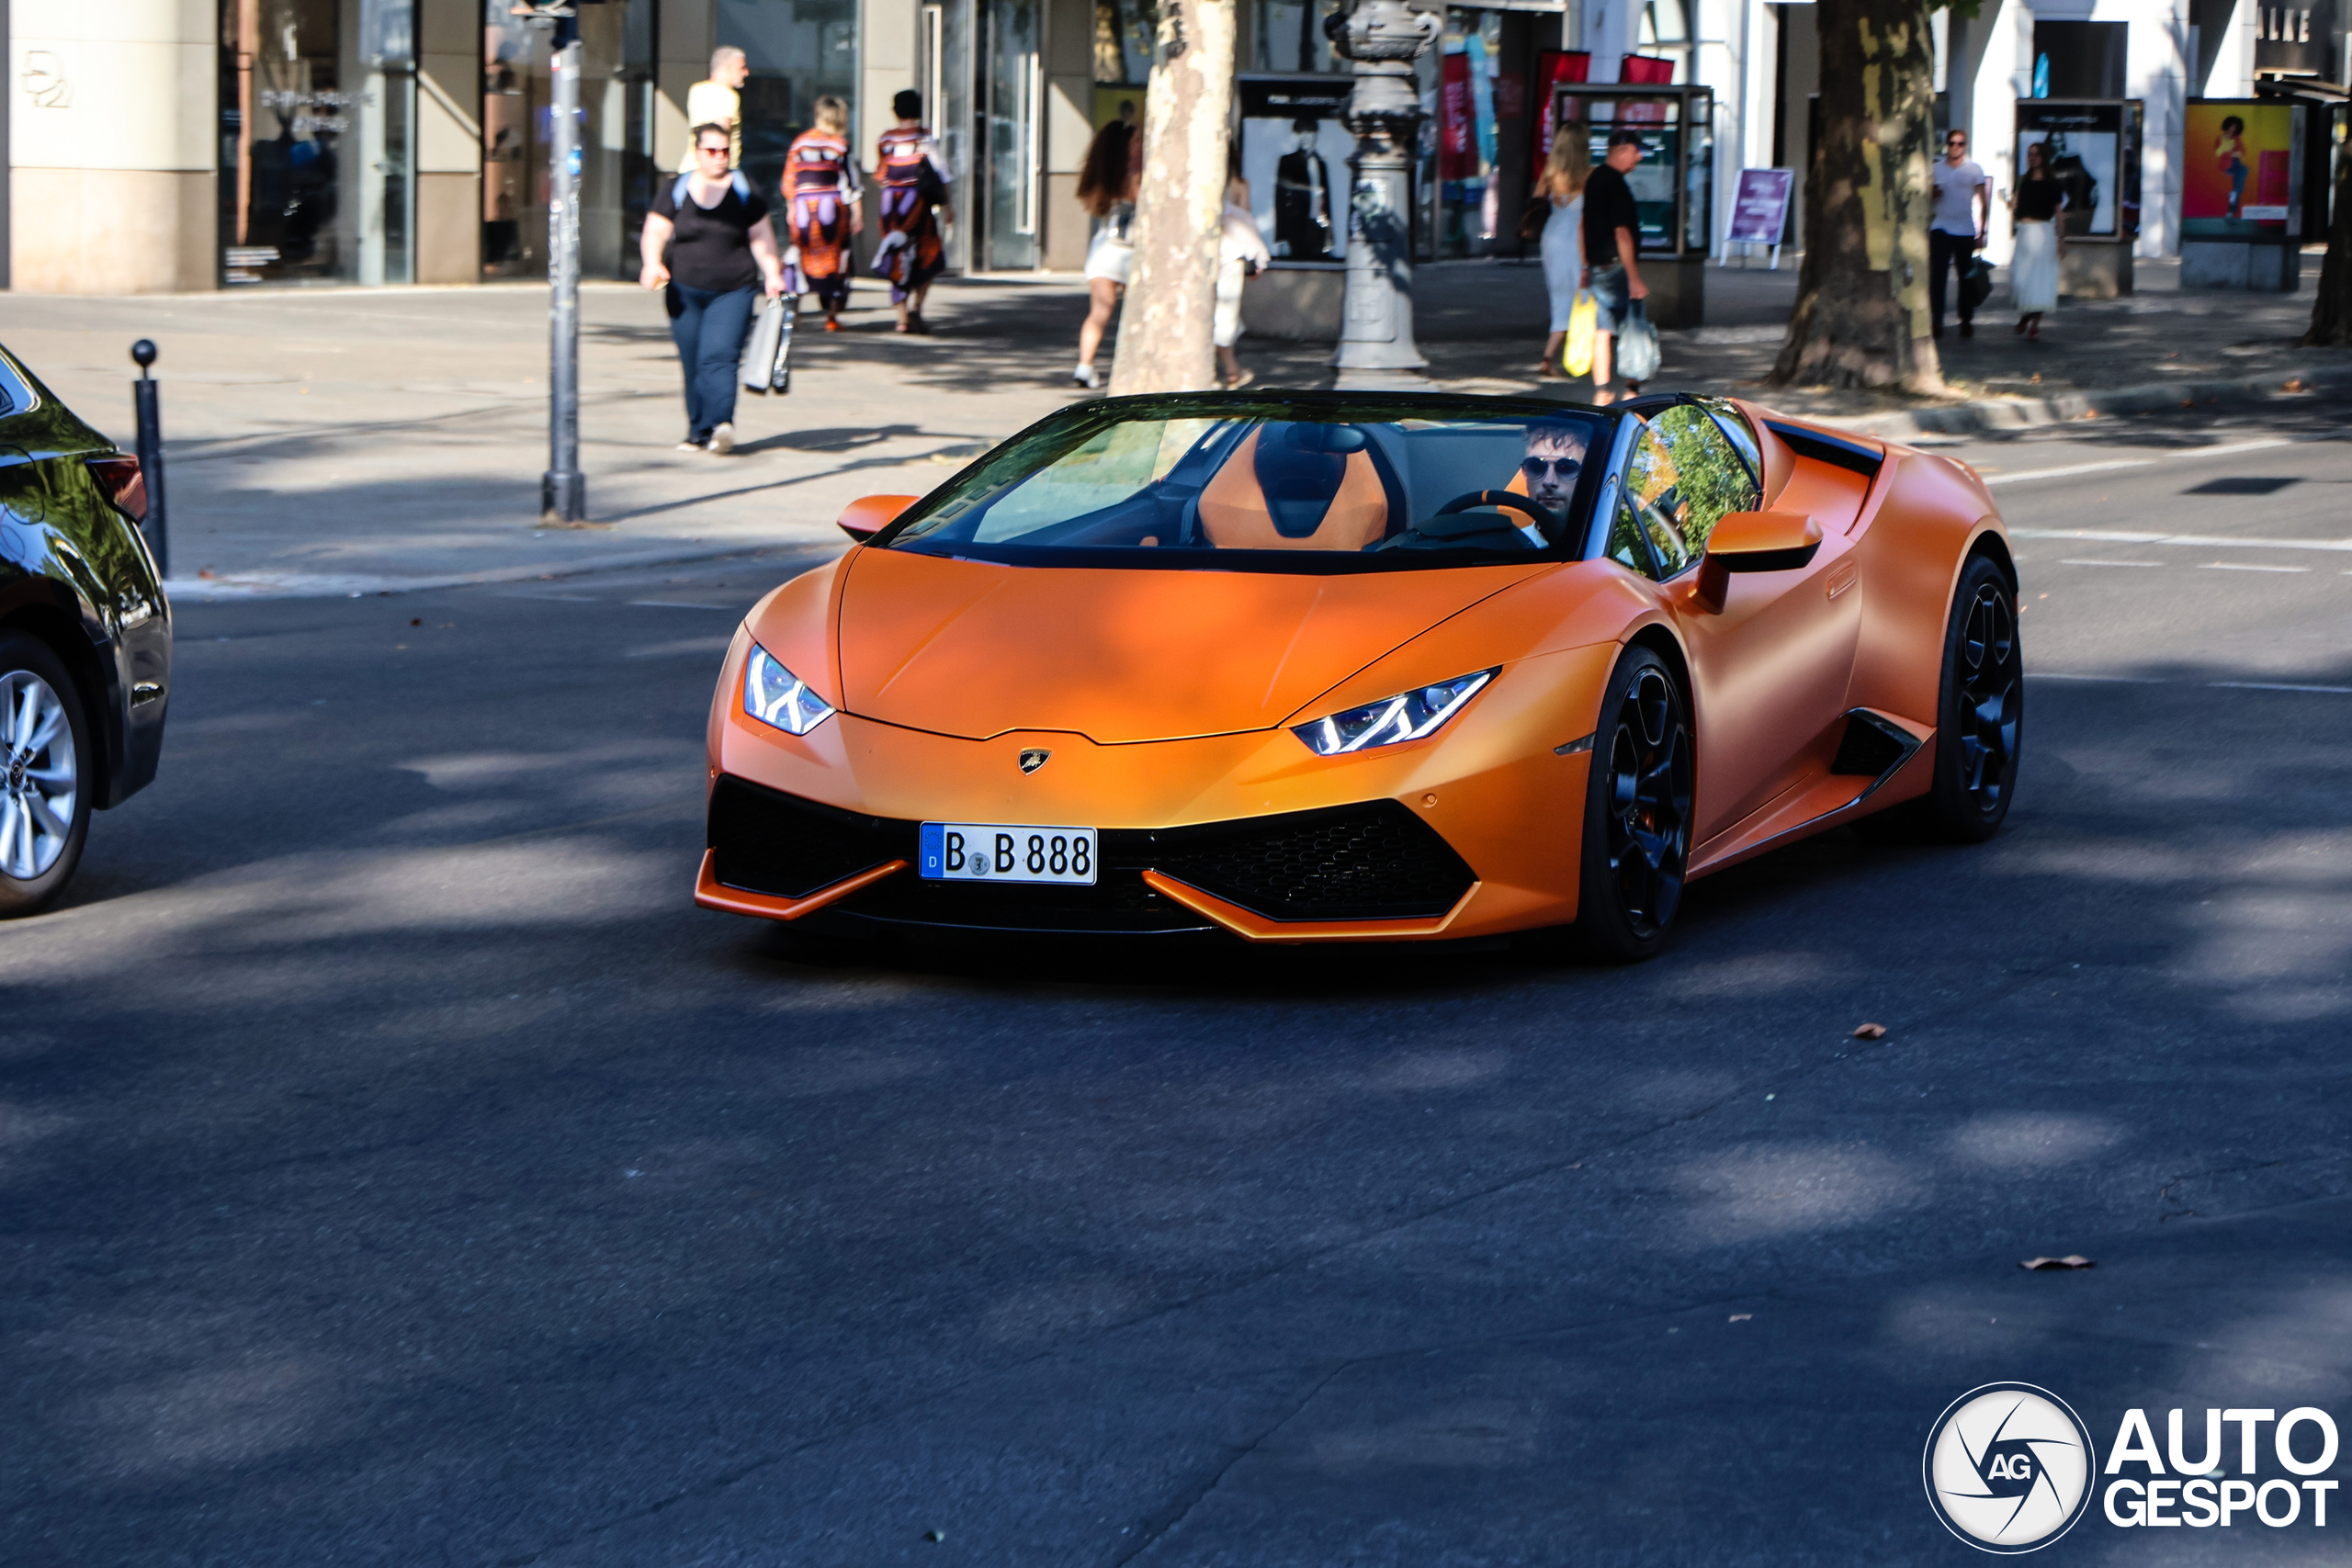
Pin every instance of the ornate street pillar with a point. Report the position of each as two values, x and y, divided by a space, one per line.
1381 39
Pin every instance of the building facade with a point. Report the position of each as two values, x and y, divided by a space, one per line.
194 144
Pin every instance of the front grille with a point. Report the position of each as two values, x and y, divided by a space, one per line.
767 841
1376 860
1373 860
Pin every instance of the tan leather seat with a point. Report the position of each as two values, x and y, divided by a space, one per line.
1234 516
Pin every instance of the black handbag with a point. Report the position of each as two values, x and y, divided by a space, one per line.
1976 284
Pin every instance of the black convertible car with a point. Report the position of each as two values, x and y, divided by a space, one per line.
85 638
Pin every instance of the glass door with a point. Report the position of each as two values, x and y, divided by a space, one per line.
1013 89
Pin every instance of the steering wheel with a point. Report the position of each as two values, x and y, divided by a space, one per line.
1548 521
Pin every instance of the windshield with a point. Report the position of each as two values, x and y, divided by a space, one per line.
1287 482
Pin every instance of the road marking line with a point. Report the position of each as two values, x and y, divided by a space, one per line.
2195 541
2217 685
2078 562
2241 566
2061 473
682 604
2134 462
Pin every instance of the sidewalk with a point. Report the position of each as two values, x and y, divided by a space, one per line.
337 441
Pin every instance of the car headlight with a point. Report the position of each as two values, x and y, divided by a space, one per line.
1407 716
774 694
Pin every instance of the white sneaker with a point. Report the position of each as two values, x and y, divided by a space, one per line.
1085 376
722 440
689 445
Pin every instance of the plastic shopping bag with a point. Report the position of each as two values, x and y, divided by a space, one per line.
1638 352
1576 360
767 353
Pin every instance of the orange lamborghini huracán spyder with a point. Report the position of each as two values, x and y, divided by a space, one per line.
1308 667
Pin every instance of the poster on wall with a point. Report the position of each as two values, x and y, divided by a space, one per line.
2083 143
1554 67
2241 170
1295 152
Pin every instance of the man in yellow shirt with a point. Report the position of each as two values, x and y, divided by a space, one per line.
719 102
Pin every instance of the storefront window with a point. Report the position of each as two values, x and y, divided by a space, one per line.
799 51
514 92
317 105
1289 38
617 172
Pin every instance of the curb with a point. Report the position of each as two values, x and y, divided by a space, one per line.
249 586
2017 414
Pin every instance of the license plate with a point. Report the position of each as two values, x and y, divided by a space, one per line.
1001 852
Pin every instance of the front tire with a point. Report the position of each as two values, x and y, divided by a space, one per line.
1979 715
45 757
1637 814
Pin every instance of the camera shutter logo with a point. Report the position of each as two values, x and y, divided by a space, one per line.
2008 1467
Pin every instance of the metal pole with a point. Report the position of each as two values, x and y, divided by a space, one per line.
563 491
148 408
1381 39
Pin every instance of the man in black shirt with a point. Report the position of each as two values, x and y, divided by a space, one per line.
1613 233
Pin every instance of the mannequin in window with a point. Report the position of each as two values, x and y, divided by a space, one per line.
1302 200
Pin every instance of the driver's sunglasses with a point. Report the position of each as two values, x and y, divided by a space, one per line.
1567 468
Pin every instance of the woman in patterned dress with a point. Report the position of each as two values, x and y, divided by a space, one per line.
820 194
914 195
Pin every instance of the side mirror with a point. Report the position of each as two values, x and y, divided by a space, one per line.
868 515
1753 541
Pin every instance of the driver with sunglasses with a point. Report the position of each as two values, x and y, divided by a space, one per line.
1554 458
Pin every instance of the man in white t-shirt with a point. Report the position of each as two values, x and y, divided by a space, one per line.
1963 209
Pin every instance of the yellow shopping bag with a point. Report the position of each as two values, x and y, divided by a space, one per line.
1583 315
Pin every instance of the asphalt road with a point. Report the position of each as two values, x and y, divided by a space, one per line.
398 1169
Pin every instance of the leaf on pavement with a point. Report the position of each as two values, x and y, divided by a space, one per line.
2072 1260
1869 1032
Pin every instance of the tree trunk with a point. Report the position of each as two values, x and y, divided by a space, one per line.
2332 311
1165 328
1862 312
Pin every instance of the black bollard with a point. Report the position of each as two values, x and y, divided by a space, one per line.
150 452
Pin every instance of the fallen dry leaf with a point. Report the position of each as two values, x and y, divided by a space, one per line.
2072 1260
1869 1032
208 574
1741 1317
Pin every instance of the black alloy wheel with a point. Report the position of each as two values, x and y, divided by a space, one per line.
1637 814
1980 720
1991 702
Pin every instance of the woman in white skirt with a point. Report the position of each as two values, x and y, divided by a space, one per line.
2034 208
1106 187
1240 253
1562 183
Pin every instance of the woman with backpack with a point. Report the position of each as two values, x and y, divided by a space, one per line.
709 245
823 210
914 199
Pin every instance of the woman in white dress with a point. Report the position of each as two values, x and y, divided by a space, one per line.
1562 183
2034 208
1106 189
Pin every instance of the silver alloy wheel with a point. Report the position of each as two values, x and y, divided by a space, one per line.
39 794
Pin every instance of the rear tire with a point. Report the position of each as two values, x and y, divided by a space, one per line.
45 767
1637 814
1980 721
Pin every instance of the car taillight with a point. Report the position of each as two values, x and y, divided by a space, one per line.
125 485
